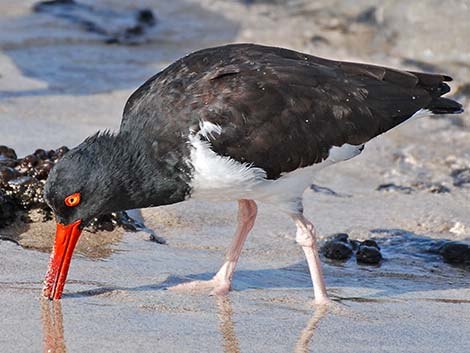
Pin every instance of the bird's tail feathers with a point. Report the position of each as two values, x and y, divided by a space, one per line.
442 105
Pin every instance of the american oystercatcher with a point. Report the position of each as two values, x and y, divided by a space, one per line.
239 122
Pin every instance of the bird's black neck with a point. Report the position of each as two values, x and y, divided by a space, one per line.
135 175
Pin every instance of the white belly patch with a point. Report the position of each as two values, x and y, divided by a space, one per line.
220 178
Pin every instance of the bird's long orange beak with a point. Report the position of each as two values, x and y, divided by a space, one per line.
65 240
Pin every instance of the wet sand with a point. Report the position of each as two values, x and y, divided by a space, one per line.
59 84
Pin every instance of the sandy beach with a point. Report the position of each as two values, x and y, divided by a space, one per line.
59 84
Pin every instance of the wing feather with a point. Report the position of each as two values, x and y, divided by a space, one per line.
278 109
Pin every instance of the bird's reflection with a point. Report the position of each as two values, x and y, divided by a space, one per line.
52 326
307 333
227 327
230 340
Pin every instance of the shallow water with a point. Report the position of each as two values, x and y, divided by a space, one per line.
48 63
72 60
270 310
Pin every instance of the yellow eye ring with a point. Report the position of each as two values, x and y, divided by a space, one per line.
72 200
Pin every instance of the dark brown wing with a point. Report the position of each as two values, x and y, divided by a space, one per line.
280 109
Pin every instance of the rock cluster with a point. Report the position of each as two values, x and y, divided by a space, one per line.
340 247
21 190
453 252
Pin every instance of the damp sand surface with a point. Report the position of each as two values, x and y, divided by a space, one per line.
59 84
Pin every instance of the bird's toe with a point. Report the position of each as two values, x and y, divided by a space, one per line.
213 286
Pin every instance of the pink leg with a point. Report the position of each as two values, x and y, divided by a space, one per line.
306 238
220 284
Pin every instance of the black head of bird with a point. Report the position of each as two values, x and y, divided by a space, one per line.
79 188
106 173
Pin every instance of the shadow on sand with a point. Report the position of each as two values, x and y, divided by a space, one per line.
410 265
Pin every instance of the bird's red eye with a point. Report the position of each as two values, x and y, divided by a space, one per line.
72 200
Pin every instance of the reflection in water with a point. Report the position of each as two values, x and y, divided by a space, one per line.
225 313
227 327
52 326
309 330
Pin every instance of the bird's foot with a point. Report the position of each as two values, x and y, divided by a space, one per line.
214 286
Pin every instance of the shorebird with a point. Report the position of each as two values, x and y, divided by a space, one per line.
240 122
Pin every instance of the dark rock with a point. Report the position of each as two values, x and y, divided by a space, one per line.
338 247
47 214
29 161
7 153
394 187
102 223
50 154
40 153
368 252
461 177
21 181
42 170
114 27
27 192
7 210
7 174
21 187
113 220
323 190
456 253
368 16
337 250
326 191
7 162
147 17
371 243
319 40
61 151
343 237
